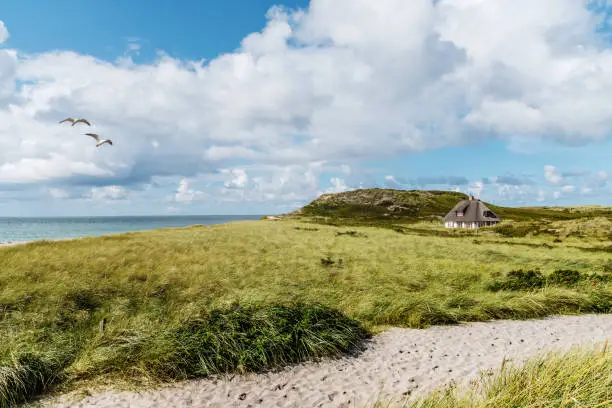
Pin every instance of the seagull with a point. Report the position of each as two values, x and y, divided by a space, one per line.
100 142
75 121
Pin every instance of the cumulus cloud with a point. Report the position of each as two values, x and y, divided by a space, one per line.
392 182
108 193
552 175
568 188
603 176
237 178
338 185
476 188
343 81
186 195
4 34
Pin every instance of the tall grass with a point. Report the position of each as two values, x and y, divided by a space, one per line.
249 296
579 378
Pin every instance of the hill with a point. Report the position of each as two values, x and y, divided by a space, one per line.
415 205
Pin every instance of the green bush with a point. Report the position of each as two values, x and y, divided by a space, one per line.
519 280
565 277
517 230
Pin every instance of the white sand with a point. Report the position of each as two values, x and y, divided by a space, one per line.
403 360
3 244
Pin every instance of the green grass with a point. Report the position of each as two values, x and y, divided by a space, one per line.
580 378
249 296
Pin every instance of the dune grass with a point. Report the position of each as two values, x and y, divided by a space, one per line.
580 378
248 296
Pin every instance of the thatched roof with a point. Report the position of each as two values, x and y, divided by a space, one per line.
473 210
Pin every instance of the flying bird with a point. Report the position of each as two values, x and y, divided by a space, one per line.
75 121
100 142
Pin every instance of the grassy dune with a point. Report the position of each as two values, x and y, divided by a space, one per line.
248 296
580 378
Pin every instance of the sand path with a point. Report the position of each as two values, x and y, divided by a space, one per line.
405 361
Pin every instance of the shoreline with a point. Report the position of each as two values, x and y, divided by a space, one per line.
397 364
9 244
14 243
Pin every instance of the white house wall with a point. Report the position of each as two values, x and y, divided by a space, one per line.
470 225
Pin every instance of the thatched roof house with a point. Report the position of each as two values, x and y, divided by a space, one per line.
470 213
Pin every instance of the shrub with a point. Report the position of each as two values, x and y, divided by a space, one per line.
565 277
519 280
517 230
599 278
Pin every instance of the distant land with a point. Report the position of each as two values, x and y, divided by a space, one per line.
377 204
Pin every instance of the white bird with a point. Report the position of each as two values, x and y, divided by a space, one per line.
100 142
75 121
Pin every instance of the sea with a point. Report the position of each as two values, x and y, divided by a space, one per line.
33 229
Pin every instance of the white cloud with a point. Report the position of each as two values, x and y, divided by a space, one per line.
341 82
338 185
108 193
568 188
556 194
392 182
603 176
238 178
552 175
37 169
541 195
133 48
172 210
186 195
476 188
58 193
4 34
515 193
287 183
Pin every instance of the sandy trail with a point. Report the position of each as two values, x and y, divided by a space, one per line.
404 361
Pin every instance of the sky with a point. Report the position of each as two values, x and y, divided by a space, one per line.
260 106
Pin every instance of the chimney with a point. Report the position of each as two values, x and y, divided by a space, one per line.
471 197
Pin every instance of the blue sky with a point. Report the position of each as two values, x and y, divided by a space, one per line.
259 106
189 29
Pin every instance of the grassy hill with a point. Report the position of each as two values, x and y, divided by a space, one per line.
383 204
250 296
388 205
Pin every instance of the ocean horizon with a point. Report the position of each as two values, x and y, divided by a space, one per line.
26 229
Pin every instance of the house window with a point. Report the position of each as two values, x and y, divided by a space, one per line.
459 213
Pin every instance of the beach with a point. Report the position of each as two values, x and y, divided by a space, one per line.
5 244
397 364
